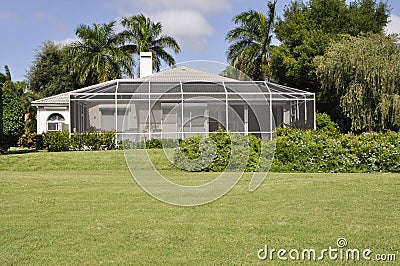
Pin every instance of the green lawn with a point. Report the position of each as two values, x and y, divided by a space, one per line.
85 208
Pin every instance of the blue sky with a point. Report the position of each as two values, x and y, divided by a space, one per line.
199 26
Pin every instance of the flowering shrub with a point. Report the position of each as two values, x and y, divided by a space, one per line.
321 151
222 151
60 141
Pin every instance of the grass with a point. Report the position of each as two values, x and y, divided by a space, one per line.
85 208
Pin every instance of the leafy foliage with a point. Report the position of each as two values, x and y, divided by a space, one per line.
31 141
224 151
321 151
143 35
56 141
6 77
49 74
13 118
306 30
361 76
251 41
61 141
98 56
325 123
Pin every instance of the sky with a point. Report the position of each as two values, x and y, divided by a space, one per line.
200 26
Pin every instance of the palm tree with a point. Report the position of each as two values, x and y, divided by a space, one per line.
98 56
143 35
251 41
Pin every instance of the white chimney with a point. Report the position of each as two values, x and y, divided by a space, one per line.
146 64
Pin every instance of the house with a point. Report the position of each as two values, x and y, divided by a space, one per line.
177 103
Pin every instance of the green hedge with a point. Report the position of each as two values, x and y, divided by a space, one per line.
322 151
60 141
148 144
224 150
296 150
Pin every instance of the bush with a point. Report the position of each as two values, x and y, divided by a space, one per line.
31 141
149 144
93 140
222 151
320 151
60 141
325 123
56 141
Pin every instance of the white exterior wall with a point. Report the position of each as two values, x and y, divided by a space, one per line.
43 113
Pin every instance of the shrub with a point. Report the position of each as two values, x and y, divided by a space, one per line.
325 123
31 141
56 141
60 141
153 144
221 151
149 144
87 140
320 151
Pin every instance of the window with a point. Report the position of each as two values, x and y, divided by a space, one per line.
55 122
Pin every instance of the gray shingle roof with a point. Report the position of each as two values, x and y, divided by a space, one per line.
59 99
184 74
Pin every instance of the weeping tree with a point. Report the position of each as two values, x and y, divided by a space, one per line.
361 76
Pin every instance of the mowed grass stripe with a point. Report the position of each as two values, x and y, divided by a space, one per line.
101 216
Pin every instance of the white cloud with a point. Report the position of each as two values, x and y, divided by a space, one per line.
126 6
394 24
189 27
186 21
65 41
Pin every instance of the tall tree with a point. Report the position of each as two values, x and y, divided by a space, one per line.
4 79
48 74
361 76
251 42
306 30
98 55
25 96
143 35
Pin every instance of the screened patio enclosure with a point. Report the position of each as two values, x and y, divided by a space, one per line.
172 106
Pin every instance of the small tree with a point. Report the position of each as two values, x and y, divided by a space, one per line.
13 118
361 75
4 78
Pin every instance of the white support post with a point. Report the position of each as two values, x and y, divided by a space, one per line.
182 135
305 110
226 107
314 112
271 115
149 114
246 119
116 112
70 115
